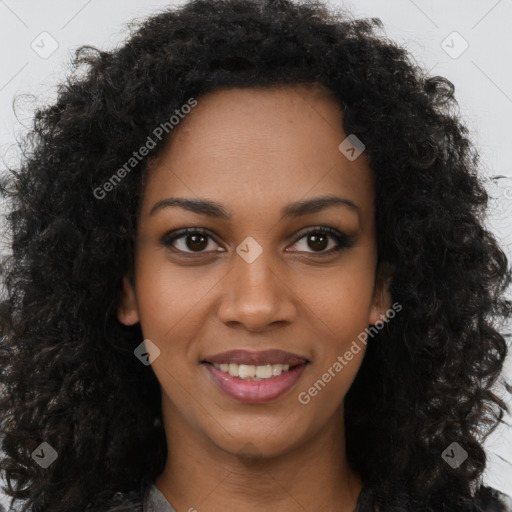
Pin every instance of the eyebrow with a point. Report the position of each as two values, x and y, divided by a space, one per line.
292 210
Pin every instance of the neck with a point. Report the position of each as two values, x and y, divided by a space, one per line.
313 476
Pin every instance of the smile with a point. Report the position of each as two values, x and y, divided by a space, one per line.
252 372
255 377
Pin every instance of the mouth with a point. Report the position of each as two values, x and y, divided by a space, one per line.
255 377
253 373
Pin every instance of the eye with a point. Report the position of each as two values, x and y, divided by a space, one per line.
196 240
318 240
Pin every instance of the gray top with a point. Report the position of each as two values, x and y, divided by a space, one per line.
156 502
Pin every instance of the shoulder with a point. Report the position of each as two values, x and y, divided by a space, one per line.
126 502
488 499
130 501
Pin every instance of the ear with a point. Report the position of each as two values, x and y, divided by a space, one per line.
128 311
381 301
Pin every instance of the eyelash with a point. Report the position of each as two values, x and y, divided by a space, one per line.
343 241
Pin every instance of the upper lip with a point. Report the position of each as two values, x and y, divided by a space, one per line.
256 358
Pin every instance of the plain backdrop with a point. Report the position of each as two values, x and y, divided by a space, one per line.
468 42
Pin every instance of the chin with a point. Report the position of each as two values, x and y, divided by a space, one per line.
257 444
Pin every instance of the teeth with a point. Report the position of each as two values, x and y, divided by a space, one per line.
264 372
251 372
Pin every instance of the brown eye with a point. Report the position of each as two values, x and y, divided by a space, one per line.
190 240
196 242
317 240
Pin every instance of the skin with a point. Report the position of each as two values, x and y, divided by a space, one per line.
255 151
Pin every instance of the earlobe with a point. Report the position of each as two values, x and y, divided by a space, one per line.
382 296
127 311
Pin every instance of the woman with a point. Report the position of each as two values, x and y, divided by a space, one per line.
249 272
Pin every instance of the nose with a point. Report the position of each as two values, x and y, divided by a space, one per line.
255 296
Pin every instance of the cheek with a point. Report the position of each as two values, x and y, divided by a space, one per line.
340 309
168 299
340 300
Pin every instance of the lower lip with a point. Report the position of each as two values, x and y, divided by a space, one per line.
255 391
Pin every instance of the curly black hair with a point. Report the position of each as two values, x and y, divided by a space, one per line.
67 369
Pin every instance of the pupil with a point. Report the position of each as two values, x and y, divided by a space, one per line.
319 240
194 238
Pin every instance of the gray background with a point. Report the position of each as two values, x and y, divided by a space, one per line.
436 32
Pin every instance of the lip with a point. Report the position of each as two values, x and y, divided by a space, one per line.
255 392
257 358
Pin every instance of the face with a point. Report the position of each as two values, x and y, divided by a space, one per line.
267 267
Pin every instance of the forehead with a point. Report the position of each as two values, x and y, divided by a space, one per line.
259 146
